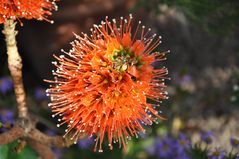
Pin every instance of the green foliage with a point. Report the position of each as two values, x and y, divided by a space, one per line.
4 152
213 15
198 153
8 152
216 16
137 148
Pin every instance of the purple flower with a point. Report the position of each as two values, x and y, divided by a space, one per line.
207 137
168 147
182 156
217 154
50 132
40 94
5 84
186 78
182 145
85 143
234 142
183 142
164 147
237 156
7 116
151 150
58 152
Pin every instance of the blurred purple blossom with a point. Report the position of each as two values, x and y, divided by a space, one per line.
151 150
164 147
85 143
50 132
7 119
169 147
217 154
182 155
182 79
58 152
183 144
185 79
207 137
234 142
7 116
5 84
40 93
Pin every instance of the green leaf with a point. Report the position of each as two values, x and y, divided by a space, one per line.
4 151
8 152
27 152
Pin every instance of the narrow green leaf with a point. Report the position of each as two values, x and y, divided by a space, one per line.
4 151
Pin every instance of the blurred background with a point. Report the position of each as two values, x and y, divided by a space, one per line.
202 111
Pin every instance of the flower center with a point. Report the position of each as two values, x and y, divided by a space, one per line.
123 59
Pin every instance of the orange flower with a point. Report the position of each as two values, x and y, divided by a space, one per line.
29 9
106 84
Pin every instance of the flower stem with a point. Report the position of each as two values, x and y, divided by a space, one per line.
15 66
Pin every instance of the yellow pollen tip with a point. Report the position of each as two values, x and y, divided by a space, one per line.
105 81
120 77
124 67
117 93
135 91
104 64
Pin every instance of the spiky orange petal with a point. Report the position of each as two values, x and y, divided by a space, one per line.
29 9
106 84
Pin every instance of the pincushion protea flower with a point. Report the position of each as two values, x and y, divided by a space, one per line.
29 9
106 86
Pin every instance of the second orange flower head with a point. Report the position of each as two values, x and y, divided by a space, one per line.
29 9
106 86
